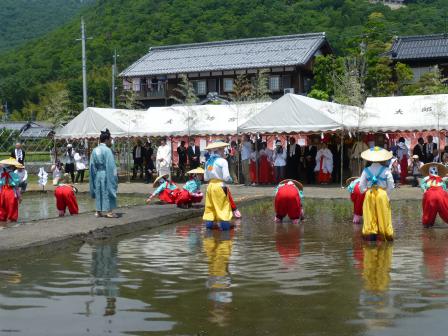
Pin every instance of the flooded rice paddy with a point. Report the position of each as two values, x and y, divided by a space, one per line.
316 278
36 205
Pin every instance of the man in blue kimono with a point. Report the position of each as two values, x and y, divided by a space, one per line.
103 177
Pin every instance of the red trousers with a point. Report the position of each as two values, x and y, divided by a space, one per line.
185 197
65 198
169 196
358 200
253 171
404 169
265 170
287 202
232 202
435 201
9 205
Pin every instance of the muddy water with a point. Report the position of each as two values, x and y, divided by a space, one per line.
316 278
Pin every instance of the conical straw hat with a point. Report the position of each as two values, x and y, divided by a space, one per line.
198 170
158 179
376 154
441 169
11 162
297 183
217 144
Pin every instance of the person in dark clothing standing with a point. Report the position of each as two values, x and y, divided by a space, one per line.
18 153
194 155
69 158
310 163
429 149
293 153
419 149
138 153
182 154
149 163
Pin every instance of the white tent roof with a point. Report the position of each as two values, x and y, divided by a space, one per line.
295 113
160 121
204 119
405 113
92 120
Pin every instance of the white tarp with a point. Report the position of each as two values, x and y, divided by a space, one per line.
294 113
92 120
405 113
177 120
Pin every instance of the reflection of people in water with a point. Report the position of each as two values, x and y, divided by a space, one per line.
218 248
287 241
376 303
105 271
377 264
358 252
435 254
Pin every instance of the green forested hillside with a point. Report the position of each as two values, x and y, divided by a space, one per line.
41 69
22 20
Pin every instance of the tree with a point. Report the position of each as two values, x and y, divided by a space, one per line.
242 89
403 75
349 85
429 83
185 93
319 94
260 86
325 68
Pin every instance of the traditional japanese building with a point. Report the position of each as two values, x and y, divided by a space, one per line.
213 66
421 53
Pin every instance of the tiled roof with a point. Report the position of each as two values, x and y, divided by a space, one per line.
228 55
419 47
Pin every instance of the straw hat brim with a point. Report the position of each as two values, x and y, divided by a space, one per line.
297 183
441 169
216 145
10 162
376 155
158 179
198 170
350 180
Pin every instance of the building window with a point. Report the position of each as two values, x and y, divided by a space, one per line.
200 87
228 84
274 83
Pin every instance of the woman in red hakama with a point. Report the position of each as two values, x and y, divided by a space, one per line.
288 201
9 190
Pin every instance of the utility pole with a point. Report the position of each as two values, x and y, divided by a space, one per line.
114 71
84 64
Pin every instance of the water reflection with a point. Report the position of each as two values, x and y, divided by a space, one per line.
377 303
261 279
218 248
287 242
105 272
435 253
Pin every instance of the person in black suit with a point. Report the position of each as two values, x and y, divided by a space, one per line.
194 155
293 153
18 153
418 149
149 163
182 163
138 153
310 163
429 149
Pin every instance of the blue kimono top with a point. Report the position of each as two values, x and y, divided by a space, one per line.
103 178
193 186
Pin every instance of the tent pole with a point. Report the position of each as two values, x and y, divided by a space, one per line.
128 161
342 158
256 159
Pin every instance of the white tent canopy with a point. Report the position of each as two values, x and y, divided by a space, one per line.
405 113
177 120
92 120
294 113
